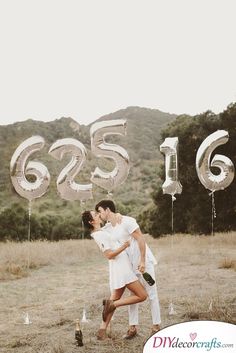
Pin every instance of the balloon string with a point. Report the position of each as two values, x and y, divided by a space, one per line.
171 305
213 215
172 222
213 211
27 320
29 214
82 204
172 214
29 236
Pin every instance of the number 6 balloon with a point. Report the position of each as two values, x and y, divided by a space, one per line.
208 179
18 170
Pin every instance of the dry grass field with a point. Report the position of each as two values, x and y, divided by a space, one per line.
197 274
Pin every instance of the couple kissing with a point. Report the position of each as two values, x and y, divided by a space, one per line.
130 259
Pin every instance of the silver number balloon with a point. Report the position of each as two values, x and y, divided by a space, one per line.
208 179
171 185
66 186
100 148
19 170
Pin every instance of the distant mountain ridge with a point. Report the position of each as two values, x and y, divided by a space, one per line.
142 144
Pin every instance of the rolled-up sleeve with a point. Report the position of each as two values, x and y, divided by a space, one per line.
130 224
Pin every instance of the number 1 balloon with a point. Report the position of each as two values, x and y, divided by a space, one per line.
171 185
19 170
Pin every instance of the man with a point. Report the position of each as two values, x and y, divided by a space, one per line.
140 257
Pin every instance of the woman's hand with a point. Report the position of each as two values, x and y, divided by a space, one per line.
111 254
118 218
126 244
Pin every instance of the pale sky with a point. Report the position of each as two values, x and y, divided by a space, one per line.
88 58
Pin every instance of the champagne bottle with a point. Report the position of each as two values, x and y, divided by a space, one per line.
78 334
148 278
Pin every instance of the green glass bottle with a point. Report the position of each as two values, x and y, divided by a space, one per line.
78 334
148 278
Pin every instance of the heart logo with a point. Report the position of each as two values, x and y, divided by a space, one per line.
193 336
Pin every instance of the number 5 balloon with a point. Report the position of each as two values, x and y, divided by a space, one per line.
100 148
18 170
208 179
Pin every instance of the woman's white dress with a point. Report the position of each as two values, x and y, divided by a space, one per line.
120 269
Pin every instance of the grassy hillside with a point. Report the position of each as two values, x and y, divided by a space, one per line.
142 144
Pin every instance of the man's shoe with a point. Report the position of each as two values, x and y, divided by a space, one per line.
108 308
101 334
155 330
131 333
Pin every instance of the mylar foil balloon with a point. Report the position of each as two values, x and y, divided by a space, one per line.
100 148
66 186
19 170
208 179
171 185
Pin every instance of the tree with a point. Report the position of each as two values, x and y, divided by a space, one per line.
192 209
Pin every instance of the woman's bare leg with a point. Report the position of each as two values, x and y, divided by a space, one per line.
116 295
139 295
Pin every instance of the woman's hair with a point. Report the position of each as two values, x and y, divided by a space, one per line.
86 219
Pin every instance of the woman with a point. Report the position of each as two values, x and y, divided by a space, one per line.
120 269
